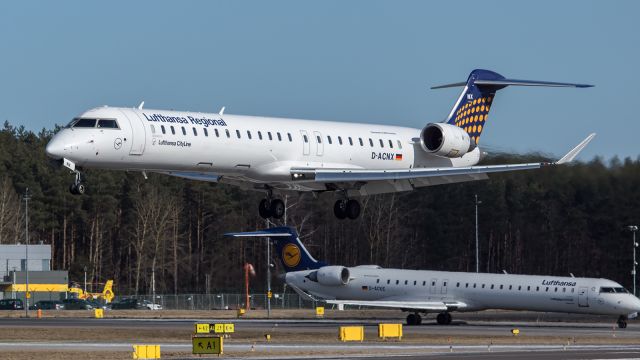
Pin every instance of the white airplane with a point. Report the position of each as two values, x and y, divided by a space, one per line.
442 292
274 154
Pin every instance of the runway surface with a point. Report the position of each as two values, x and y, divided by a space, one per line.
317 338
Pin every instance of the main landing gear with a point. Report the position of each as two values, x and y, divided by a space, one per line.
346 208
270 207
622 322
77 188
444 318
414 319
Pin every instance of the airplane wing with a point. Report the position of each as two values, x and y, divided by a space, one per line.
406 305
438 175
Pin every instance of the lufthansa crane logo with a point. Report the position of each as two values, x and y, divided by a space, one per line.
117 143
291 255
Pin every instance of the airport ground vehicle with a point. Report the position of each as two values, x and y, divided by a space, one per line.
76 304
11 304
47 305
126 304
151 306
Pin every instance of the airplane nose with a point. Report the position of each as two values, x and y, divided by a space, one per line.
54 149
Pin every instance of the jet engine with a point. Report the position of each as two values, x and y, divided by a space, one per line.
333 275
446 140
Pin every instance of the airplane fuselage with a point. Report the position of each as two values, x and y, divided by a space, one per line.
477 291
243 150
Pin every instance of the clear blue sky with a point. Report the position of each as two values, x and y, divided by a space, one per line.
365 61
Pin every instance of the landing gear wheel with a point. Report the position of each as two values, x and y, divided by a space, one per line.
419 318
73 189
622 322
264 209
340 209
353 209
443 318
80 189
277 208
413 319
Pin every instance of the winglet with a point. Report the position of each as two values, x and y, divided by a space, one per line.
576 150
141 105
221 111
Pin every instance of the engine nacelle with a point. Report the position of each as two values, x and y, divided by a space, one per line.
446 140
333 275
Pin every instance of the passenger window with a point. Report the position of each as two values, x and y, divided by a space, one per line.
381 143
388 281
377 281
350 141
206 133
305 138
537 288
269 133
546 289
260 135
397 282
457 284
109 124
424 283
501 287
217 133
564 290
474 285
572 289
195 133
416 283
491 286
184 131
528 288
289 136
433 283
406 282
173 131
399 145
519 287
319 139
466 285
85 123
249 134
391 144
279 137
329 139
510 286
361 143
339 140
164 131
370 142
555 290
238 133
228 134
483 286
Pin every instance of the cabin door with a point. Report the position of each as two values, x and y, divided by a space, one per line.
583 299
432 286
320 146
138 133
305 142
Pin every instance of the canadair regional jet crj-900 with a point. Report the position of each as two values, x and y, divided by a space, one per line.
442 292
273 154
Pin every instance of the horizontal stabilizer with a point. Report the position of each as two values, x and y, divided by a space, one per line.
507 82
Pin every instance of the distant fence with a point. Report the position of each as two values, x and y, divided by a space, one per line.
224 301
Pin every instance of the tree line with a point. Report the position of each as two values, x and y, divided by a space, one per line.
553 221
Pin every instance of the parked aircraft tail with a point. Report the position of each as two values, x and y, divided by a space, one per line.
472 107
292 254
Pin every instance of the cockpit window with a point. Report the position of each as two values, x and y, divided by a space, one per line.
83 123
107 123
619 290
313 276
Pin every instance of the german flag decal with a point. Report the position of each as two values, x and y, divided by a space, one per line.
365 288
399 157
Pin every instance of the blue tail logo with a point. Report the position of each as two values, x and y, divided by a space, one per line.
292 254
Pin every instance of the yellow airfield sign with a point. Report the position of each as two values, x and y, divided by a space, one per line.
207 345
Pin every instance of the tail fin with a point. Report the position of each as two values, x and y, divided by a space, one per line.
292 254
472 108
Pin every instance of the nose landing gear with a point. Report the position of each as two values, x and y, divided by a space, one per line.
77 188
